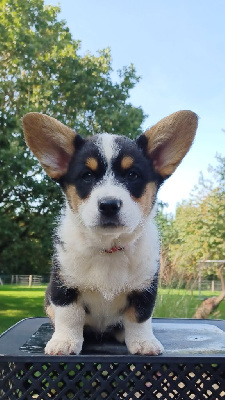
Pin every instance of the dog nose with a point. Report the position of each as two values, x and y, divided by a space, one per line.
109 206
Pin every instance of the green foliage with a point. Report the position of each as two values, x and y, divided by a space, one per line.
41 70
198 228
166 225
168 235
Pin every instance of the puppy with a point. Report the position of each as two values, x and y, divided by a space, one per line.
106 250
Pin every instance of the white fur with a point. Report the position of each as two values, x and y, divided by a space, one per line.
68 335
140 339
103 312
107 146
86 265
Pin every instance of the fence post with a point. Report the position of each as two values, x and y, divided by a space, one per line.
30 280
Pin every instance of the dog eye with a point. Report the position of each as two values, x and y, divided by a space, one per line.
87 177
132 175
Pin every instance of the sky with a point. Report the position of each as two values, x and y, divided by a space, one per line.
178 49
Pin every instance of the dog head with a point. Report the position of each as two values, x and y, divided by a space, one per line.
110 181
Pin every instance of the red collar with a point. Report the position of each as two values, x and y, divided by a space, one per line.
114 249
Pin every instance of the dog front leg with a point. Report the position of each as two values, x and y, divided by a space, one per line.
137 321
140 339
68 335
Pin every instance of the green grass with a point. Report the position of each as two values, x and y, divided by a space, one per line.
182 303
19 302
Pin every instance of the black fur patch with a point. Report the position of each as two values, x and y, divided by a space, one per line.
86 309
79 174
142 144
57 292
144 301
58 241
140 173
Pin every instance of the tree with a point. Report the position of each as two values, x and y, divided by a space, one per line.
41 70
168 236
199 224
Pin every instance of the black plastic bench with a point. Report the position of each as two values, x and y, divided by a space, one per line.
192 366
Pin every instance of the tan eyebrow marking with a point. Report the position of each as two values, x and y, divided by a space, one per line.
127 162
92 163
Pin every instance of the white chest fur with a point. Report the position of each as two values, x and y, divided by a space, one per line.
86 266
102 313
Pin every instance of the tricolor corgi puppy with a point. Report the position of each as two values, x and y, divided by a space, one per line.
106 250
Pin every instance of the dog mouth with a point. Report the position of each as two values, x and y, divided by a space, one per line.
110 223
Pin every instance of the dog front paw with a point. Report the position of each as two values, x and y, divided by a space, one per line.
63 346
145 347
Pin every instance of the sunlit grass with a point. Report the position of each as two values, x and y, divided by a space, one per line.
19 302
182 303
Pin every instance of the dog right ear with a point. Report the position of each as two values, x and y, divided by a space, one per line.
50 141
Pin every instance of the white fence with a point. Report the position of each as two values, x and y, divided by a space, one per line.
35 280
29 280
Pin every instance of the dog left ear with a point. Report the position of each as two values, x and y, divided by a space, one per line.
169 140
50 141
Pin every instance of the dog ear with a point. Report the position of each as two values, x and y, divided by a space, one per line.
170 139
50 141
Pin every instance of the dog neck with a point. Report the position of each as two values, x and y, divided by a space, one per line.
114 249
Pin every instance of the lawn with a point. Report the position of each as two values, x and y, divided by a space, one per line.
19 302
182 303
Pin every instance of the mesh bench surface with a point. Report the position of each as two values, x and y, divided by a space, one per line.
192 366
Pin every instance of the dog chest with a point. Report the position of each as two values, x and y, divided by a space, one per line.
84 264
100 312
